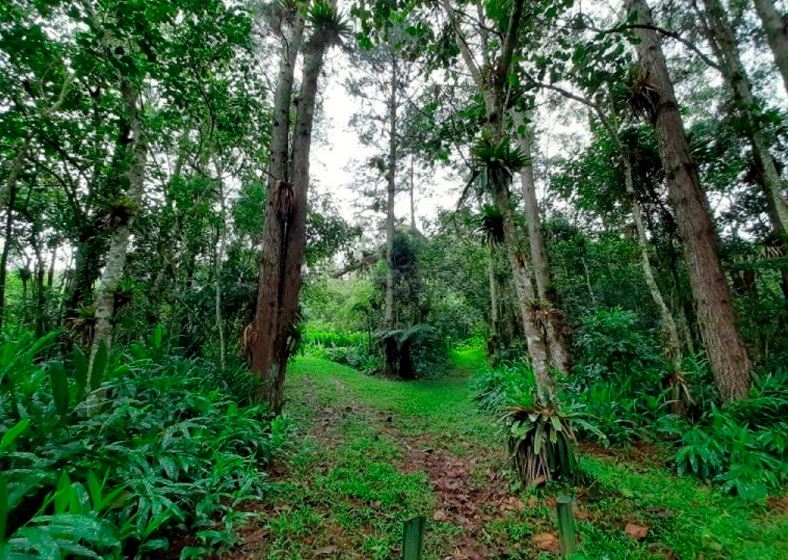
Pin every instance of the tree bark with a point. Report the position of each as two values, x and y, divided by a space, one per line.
10 189
776 30
533 321
723 41
295 232
493 344
558 342
116 256
221 234
280 193
727 354
391 364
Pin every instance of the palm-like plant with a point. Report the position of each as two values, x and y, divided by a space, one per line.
490 226
541 439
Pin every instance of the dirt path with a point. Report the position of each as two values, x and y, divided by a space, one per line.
377 453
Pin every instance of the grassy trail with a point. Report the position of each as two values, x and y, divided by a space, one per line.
377 452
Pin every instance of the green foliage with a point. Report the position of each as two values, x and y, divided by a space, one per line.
171 451
540 443
494 388
743 447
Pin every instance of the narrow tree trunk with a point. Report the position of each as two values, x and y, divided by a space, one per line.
221 233
774 26
413 226
723 41
10 190
492 83
590 287
391 365
116 257
295 235
533 322
727 353
558 342
278 205
40 289
493 344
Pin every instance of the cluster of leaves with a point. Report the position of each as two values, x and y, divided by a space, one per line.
351 349
495 387
618 379
743 447
108 471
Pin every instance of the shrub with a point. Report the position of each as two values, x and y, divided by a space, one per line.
495 387
165 452
743 447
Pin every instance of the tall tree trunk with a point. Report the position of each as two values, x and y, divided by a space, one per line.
682 397
534 321
722 38
413 226
116 257
727 353
10 189
294 235
776 30
493 344
492 83
723 41
391 365
265 363
558 342
221 234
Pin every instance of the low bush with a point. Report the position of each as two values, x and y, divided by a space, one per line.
110 467
743 447
495 387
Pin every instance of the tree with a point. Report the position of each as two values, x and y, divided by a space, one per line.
284 237
776 34
654 95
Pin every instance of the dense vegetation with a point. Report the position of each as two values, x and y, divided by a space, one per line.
580 208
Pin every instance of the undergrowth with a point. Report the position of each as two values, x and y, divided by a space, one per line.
153 447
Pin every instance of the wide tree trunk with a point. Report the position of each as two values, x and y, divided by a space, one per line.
557 330
295 237
265 364
116 256
727 354
776 30
284 240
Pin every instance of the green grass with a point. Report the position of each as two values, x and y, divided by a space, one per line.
349 490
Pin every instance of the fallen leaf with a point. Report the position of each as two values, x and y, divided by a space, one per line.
546 541
635 531
327 550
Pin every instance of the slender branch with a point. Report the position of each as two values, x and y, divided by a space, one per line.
661 30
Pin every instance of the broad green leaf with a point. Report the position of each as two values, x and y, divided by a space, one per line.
81 368
12 433
99 365
59 383
63 493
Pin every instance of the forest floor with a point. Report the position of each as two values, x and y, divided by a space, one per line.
377 452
